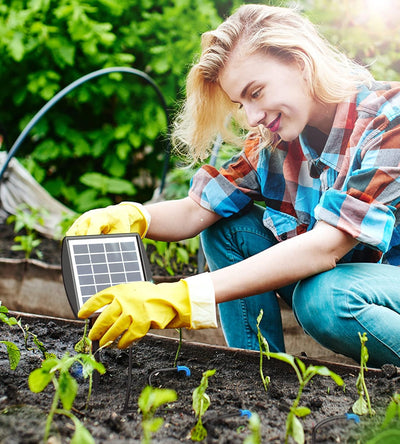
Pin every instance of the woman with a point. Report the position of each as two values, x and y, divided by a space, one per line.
322 154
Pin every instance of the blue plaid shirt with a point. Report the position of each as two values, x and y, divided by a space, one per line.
354 184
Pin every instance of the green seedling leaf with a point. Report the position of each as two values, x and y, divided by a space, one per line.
393 410
68 389
10 321
201 402
14 355
149 400
198 433
297 431
390 436
300 412
360 407
82 434
255 430
39 379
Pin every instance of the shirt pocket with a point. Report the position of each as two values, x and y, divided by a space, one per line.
282 225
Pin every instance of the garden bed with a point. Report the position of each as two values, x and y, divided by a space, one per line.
235 385
36 286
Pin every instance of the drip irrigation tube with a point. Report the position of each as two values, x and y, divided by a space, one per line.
122 69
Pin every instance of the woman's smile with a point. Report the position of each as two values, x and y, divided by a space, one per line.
272 93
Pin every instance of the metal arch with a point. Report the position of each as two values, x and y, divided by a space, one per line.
71 87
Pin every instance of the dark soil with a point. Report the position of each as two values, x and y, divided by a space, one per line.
235 385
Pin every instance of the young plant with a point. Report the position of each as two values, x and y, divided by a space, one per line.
14 354
390 431
201 402
26 218
264 351
255 430
57 371
304 374
178 350
363 404
172 255
149 401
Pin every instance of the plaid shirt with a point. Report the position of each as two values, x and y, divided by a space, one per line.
353 185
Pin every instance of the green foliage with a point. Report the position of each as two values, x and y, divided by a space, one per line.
363 404
172 256
26 218
57 372
149 401
201 402
13 351
14 355
114 125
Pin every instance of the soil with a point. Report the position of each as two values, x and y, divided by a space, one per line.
236 385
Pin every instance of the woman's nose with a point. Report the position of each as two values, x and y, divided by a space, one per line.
255 115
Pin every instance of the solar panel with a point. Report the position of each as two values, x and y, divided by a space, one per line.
94 262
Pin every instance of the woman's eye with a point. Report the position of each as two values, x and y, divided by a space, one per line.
255 94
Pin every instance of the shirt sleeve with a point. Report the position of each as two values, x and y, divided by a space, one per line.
228 190
366 196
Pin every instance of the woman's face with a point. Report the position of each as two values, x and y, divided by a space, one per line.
273 94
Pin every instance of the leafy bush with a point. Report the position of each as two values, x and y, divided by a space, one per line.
104 142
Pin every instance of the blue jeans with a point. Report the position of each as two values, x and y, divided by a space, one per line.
332 307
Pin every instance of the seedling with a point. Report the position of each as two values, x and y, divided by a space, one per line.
255 430
13 351
57 371
304 374
149 401
171 256
363 404
390 431
26 218
178 350
264 351
201 402
14 354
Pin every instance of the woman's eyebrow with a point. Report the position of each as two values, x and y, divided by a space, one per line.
244 91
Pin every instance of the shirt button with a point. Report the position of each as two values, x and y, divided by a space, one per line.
284 236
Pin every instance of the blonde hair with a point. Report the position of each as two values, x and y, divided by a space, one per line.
276 31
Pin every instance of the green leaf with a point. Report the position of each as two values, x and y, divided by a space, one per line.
39 379
68 389
14 354
198 432
360 407
82 434
302 411
297 431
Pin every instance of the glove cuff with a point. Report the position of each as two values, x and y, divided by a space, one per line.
144 212
202 301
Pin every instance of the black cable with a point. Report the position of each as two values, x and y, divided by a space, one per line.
11 153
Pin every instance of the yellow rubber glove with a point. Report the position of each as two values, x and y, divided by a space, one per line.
133 308
126 217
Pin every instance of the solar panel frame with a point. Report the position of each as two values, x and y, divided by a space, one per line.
92 263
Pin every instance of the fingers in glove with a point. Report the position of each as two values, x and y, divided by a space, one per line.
116 330
96 302
133 333
105 321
